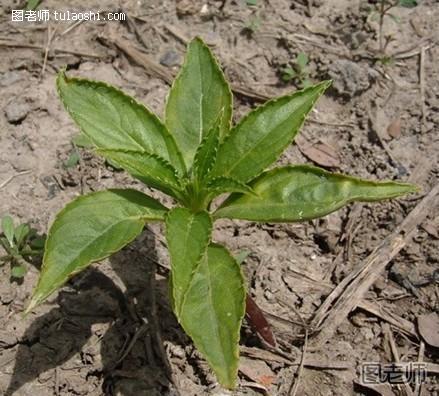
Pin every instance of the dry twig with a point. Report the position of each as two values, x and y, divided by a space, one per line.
295 384
142 329
370 306
418 386
379 311
50 36
351 290
55 50
74 25
406 390
156 70
422 86
10 178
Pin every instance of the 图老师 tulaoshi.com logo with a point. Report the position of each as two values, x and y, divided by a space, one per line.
393 373
64 16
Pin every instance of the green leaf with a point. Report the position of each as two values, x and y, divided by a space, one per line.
206 153
32 4
8 229
298 193
242 256
262 135
288 73
5 244
188 235
306 83
73 160
81 140
38 243
213 309
408 3
149 168
18 271
89 229
221 185
20 233
302 60
115 121
198 96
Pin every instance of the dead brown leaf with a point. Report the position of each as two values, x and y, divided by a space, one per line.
431 228
428 326
257 371
320 153
394 129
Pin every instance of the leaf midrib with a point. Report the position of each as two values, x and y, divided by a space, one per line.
257 143
185 251
210 295
105 231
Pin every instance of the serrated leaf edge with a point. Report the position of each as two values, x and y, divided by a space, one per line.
182 70
324 85
236 341
213 159
246 188
274 171
163 161
37 300
177 309
62 74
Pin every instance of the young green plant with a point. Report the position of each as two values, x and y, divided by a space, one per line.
193 155
21 243
298 71
383 9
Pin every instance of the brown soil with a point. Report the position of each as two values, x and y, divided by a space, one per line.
72 344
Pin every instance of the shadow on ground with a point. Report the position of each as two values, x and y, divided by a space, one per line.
95 298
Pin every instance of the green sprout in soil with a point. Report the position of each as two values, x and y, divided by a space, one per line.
382 10
195 155
32 4
298 72
21 243
73 159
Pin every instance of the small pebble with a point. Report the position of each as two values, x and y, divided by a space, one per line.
170 58
16 111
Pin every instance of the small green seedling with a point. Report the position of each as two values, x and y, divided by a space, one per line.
194 155
383 8
299 72
73 159
32 4
20 244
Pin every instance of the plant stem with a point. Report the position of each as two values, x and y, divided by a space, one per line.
383 11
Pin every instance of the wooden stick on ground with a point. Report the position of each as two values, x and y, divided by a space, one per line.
418 386
295 384
405 389
14 44
422 87
371 306
379 311
10 178
349 293
156 70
